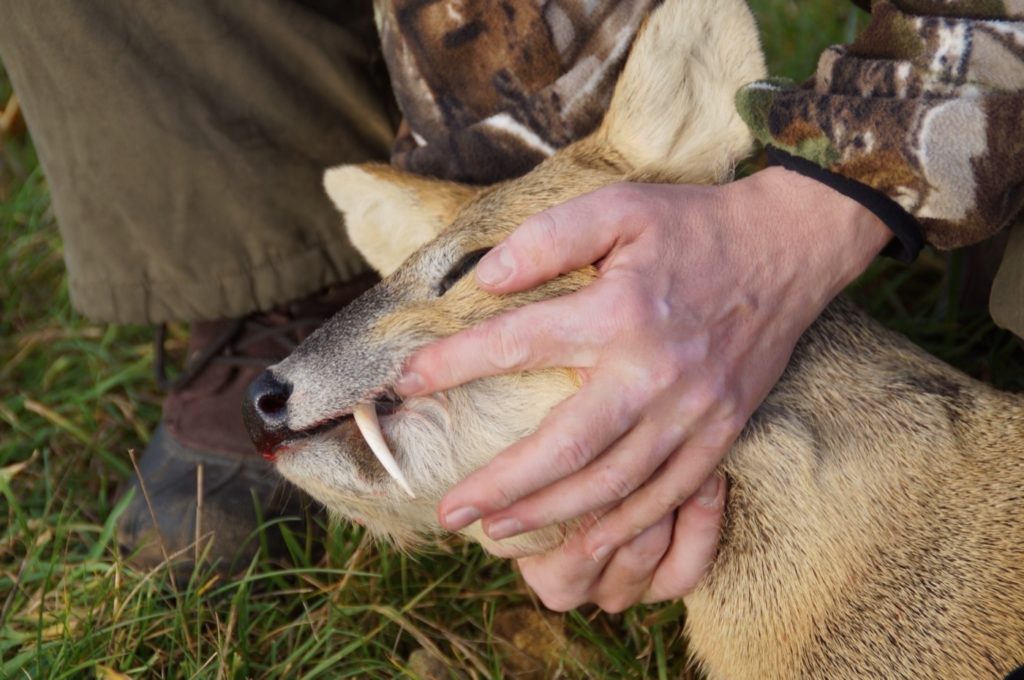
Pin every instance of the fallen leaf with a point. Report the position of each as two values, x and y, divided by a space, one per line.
536 645
426 666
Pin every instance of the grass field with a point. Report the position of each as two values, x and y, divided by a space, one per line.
76 396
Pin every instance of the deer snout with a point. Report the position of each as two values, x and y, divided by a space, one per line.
265 411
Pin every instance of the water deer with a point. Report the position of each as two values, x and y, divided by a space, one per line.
874 524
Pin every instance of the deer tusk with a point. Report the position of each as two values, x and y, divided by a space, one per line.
365 415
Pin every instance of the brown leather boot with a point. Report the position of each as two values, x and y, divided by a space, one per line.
202 427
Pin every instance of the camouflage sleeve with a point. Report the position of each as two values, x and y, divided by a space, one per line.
926 108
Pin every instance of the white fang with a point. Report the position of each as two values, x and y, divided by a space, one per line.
365 415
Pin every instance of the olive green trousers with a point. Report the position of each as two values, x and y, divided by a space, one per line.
184 144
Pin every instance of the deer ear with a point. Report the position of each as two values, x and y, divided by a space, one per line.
390 213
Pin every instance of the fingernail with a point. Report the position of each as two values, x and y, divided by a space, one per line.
503 528
708 493
410 383
496 266
600 553
461 518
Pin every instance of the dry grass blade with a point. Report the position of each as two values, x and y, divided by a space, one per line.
58 420
11 122
9 472
200 493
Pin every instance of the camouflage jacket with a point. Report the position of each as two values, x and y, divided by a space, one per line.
924 111
489 88
926 106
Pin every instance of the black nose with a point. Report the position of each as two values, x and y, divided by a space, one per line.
265 410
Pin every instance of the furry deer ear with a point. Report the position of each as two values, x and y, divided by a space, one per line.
673 114
390 213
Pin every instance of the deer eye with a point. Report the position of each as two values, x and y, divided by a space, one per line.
460 269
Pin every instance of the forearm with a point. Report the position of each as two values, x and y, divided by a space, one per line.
817 227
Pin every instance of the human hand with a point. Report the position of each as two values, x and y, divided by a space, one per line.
666 561
702 294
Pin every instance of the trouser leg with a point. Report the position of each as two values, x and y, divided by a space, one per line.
184 144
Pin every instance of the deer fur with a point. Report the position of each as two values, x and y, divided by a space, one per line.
875 520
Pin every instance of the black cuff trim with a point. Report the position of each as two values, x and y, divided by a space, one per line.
909 239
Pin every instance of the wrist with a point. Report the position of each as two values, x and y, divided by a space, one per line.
831 230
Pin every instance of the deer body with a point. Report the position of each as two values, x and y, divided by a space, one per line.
874 523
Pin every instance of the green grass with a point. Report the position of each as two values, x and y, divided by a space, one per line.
76 396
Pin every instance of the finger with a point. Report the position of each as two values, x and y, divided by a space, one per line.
560 332
682 475
569 437
560 239
610 478
563 578
517 550
694 545
631 568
